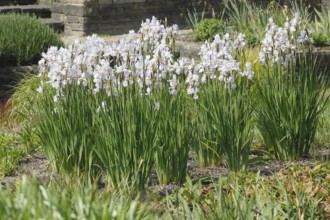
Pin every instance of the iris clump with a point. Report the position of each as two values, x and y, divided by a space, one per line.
131 99
291 94
126 107
124 86
221 84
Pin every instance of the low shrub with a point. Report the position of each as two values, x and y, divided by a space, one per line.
208 28
23 39
320 39
251 38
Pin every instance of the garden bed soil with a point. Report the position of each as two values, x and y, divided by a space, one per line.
32 166
37 166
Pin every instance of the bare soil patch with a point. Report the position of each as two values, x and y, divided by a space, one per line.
37 166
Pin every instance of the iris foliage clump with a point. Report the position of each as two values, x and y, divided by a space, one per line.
135 107
287 115
124 108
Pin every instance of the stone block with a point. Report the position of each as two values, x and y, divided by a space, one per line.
58 8
113 16
59 17
127 1
105 2
79 2
325 3
73 19
44 2
74 9
80 10
82 20
81 27
118 27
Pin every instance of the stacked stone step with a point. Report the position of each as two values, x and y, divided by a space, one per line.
41 11
16 2
113 16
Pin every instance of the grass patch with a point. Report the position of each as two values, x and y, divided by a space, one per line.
298 192
11 152
294 193
322 136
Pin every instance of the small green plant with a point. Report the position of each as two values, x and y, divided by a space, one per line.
320 39
23 39
322 27
252 197
11 152
251 37
208 28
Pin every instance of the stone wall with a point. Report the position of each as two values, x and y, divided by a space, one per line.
5 2
114 16
17 2
326 3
